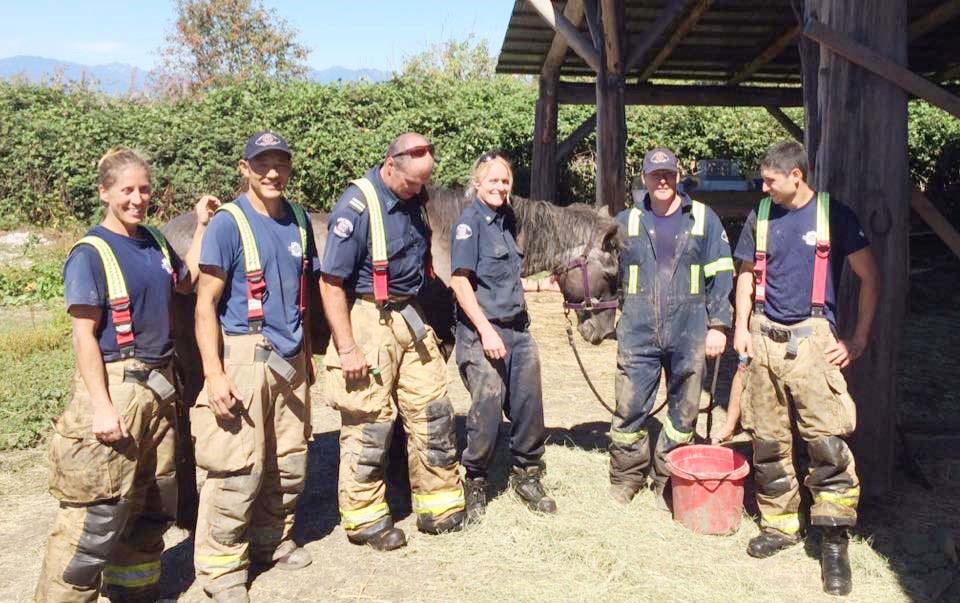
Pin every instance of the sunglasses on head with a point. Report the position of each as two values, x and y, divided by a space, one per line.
491 155
416 152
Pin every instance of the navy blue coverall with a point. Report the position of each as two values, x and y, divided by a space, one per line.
483 244
670 337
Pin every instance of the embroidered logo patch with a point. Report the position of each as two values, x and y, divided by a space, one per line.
723 236
463 232
659 157
267 140
343 228
810 238
295 249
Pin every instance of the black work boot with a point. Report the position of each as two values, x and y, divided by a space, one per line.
431 525
381 536
769 543
835 563
475 492
526 483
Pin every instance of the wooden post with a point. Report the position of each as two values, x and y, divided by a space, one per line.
862 160
611 116
810 78
543 166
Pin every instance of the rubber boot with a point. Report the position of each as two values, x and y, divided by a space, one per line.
430 525
381 536
769 543
475 492
233 594
526 483
296 559
835 563
623 493
661 495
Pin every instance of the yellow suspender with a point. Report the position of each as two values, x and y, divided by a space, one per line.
378 240
116 284
633 230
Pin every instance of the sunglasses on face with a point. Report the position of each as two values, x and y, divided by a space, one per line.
416 152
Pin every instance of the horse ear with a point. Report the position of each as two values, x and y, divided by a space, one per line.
612 241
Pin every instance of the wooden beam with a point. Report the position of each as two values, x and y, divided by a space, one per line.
568 144
678 35
543 164
610 10
560 24
641 46
940 225
573 11
570 93
768 54
934 19
608 30
877 63
786 123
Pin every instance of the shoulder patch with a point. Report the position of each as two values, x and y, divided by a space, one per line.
723 236
343 228
463 232
357 205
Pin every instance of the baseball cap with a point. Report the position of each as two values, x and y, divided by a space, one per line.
262 142
660 158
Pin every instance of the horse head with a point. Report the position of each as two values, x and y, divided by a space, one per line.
588 277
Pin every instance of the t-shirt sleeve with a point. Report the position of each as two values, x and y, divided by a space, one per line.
464 246
221 243
846 231
746 244
83 278
312 247
346 235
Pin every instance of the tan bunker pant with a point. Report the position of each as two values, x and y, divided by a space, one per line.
256 464
412 379
116 501
789 375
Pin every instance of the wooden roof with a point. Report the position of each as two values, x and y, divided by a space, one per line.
727 41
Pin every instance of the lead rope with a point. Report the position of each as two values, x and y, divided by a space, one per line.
576 354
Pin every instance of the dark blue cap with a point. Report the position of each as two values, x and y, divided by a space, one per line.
660 158
261 142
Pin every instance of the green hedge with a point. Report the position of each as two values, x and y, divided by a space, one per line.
50 138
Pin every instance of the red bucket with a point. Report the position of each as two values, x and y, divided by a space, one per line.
707 484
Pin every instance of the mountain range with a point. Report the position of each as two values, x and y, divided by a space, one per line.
119 78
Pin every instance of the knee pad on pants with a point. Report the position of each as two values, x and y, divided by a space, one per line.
228 523
441 445
375 444
770 474
293 473
102 526
829 460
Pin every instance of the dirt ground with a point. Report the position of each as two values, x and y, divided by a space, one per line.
592 550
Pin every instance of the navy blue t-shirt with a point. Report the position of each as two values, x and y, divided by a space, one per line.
347 251
278 242
667 230
791 246
149 281
482 242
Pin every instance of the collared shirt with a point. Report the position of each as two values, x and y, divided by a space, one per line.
791 247
147 276
483 242
347 252
278 242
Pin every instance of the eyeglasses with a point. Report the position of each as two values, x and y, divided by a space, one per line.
417 151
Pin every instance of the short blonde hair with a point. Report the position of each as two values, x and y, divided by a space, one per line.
115 160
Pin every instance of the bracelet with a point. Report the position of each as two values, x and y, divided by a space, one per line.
347 351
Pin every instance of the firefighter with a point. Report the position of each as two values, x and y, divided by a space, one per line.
251 421
383 359
112 453
675 280
792 250
497 357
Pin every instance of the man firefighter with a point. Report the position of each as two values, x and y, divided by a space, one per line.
251 422
675 280
792 250
383 359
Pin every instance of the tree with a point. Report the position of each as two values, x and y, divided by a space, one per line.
464 61
214 41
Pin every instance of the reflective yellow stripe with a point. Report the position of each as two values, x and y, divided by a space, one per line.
226 560
720 265
633 275
823 216
699 212
300 216
358 517
438 503
680 437
251 255
633 222
788 523
627 438
132 576
763 218
116 285
694 279
847 498
378 234
161 242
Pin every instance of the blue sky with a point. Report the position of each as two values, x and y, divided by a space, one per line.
375 34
